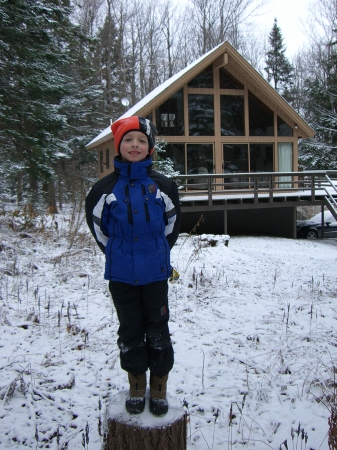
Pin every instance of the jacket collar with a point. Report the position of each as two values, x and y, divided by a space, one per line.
133 171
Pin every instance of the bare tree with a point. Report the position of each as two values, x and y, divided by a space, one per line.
145 43
214 21
88 14
167 25
149 38
301 73
320 86
322 22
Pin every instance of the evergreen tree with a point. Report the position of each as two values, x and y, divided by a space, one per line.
280 73
82 107
161 163
321 106
32 86
319 88
47 104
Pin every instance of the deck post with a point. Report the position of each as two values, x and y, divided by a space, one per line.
225 221
295 223
209 189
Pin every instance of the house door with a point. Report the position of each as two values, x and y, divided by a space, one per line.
235 160
262 160
192 159
199 160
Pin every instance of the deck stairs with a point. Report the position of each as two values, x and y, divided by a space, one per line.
330 199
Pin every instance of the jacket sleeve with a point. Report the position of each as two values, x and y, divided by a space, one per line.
170 195
173 216
94 207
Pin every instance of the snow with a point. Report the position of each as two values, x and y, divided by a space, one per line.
252 323
328 217
116 410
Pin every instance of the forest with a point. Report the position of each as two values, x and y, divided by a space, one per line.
68 68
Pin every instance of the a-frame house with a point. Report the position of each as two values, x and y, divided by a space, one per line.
218 115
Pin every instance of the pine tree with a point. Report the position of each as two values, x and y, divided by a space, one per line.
321 106
32 86
48 98
279 70
82 108
161 163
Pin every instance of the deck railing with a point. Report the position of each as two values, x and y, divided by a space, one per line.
258 184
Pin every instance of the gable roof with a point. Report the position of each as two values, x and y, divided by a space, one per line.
221 54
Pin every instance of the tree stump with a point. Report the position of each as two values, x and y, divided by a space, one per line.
332 441
144 431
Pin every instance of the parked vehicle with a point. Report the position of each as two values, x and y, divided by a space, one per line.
312 229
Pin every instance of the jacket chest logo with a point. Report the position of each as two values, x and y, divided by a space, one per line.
152 189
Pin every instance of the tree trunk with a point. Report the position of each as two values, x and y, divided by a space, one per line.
19 188
332 441
52 208
60 192
144 431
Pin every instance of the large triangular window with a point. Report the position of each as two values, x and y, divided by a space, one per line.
228 81
261 118
203 80
170 116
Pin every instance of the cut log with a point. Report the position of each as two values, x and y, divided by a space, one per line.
144 431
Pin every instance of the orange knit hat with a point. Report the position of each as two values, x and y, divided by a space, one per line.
134 123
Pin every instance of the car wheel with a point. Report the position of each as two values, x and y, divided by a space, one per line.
311 234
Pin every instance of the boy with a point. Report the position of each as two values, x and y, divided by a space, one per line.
134 215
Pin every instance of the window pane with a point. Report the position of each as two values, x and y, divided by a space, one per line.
283 129
199 161
285 162
203 80
227 81
176 152
261 118
232 115
201 114
235 158
170 116
285 157
261 158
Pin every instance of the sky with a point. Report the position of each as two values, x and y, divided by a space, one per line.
291 16
253 326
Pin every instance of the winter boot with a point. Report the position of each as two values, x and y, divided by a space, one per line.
135 402
158 400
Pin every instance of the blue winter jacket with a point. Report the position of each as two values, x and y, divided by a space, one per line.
134 216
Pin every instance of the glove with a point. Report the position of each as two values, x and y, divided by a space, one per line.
174 275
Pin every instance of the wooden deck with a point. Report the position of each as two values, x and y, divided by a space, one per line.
281 193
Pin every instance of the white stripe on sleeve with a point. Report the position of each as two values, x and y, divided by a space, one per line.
170 212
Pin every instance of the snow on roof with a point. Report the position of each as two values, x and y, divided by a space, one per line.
153 94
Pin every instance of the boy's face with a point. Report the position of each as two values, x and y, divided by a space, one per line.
134 146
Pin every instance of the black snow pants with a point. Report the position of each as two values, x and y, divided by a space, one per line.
144 338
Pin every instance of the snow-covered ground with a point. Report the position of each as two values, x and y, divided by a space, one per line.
253 326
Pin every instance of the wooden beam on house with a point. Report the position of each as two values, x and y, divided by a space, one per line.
221 61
